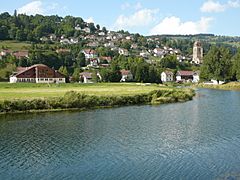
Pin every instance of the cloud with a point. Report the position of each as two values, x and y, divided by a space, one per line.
41 7
140 18
214 6
127 5
90 20
174 25
35 7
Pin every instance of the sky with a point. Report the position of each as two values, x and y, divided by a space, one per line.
147 17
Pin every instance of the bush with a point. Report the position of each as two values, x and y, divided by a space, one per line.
77 100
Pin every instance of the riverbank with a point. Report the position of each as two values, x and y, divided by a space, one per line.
35 91
227 86
73 100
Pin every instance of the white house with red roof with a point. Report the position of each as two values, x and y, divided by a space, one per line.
89 53
188 76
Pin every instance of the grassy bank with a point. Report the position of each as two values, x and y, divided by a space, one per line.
79 100
32 91
227 86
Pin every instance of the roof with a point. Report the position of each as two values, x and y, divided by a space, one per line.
87 75
89 51
20 54
125 72
21 70
185 73
108 58
168 72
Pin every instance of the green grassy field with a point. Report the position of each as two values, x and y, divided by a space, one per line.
227 86
29 91
14 45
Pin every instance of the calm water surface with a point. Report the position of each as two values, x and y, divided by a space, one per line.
199 139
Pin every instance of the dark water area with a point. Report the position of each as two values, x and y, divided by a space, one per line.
199 139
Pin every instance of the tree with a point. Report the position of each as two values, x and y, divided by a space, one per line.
92 27
76 75
20 35
3 33
216 64
63 70
170 61
98 27
236 65
80 60
104 30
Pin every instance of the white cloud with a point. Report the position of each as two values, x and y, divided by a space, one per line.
35 7
127 5
215 6
174 25
140 18
90 20
41 7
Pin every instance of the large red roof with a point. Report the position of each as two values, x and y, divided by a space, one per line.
185 73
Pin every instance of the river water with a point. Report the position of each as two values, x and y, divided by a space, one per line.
199 139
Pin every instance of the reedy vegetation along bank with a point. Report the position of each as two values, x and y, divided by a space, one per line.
75 100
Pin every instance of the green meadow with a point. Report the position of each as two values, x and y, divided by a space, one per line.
32 91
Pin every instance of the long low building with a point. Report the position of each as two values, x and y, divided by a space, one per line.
38 73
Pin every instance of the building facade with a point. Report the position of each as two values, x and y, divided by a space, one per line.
197 53
167 76
38 73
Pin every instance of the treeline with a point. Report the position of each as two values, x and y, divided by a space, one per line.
220 64
22 27
74 100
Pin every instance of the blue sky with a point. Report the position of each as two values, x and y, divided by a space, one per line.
146 17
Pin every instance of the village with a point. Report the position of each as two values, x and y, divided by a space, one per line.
41 73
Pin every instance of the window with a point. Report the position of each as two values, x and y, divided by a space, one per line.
41 79
46 79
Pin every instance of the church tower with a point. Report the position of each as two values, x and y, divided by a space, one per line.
197 53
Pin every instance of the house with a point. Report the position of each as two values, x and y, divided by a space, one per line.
87 30
106 58
21 54
65 41
126 75
86 77
6 52
93 44
187 76
73 40
159 52
144 54
122 51
109 44
94 62
89 53
38 73
78 27
196 77
167 76
134 46
53 37
101 34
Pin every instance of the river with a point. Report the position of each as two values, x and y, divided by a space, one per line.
199 139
